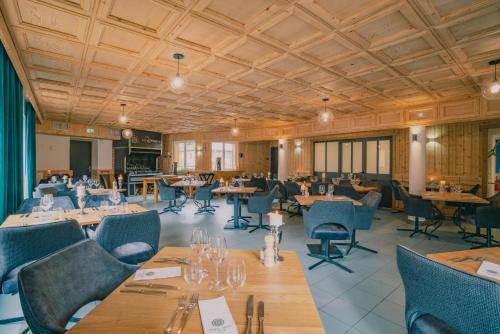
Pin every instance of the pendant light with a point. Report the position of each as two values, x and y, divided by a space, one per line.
325 116
127 133
178 83
491 90
235 130
123 119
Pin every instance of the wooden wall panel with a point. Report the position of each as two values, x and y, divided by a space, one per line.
300 156
256 156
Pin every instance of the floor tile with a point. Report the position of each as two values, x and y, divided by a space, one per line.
376 288
342 309
391 311
374 324
332 324
361 298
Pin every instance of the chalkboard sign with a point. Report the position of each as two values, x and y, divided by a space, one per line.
146 140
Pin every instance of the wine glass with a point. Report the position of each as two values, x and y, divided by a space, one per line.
236 274
46 202
321 189
199 241
330 189
193 272
216 253
115 197
82 200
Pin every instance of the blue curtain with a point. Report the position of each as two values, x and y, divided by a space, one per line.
11 137
30 140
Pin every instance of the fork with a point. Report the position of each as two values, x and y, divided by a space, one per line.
192 304
180 308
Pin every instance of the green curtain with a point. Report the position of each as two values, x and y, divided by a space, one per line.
30 140
11 137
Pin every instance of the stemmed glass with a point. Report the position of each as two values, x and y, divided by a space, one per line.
321 189
193 272
199 241
330 189
216 253
46 202
236 274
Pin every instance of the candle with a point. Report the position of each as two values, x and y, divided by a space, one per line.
80 191
275 219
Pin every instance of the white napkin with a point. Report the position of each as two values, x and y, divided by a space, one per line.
489 269
156 273
216 316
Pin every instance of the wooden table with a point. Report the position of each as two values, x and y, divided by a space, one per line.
234 222
309 200
359 189
491 254
103 191
465 198
92 216
289 306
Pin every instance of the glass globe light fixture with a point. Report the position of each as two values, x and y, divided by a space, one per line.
127 133
123 118
235 130
491 90
178 83
325 116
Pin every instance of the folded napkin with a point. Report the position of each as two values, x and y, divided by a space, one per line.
156 273
489 269
216 316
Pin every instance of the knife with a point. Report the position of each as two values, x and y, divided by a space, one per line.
143 291
261 317
152 286
249 314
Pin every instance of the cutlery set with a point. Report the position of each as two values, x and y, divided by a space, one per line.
260 314
468 258
184 309
148 288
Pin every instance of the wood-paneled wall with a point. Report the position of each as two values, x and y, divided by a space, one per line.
254 157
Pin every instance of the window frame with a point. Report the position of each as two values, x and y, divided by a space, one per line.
185 154
223 162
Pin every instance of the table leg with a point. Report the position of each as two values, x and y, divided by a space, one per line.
155 192
235 225
144 190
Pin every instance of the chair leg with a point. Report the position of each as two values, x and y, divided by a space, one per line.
417 230
11 320
325 257
355 244
256 227
172 207
205 208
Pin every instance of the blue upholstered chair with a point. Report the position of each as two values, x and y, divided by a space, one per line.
63 202
261 204
395 193
293 189
94 201
346 190
488 217
132 238
282 194
205 194
440 299
54 288
20 246
419 208
328 220
71 194
260 183
51 188
170 194
363 218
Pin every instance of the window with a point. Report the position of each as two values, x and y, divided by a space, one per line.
227 154
185 155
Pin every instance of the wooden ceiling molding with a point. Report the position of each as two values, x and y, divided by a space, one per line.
260 61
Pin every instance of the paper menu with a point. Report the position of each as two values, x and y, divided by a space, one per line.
489 269
157 273
216 316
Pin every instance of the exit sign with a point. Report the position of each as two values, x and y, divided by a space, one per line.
90 130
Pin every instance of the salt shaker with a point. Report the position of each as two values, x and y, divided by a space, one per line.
269 251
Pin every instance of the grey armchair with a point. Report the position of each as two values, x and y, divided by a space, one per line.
488 217
282 194
132 238
346 190
21 246
440 299
328 220
205 194
170 194
419 208
54 288
63 202
261 204
94 201
293 189
363 218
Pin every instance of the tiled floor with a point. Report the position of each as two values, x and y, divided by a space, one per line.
370 300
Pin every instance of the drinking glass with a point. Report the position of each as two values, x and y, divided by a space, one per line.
104 205
236 274
115 197
193 272
216 253
125 208
321 189
59 213
36 212
46 202
199 241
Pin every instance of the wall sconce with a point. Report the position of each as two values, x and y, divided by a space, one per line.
298 143
281 146
200 149
414 137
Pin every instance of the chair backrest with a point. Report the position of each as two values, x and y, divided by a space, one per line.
395 189
488 216
107 180
19 245
403 193
94 201
474 189
118 230
259 182
63 202
208 177
282 193
71 194
46 186
292 188
52 289
205 192
495 200
468 303
346 190
363 215
324 212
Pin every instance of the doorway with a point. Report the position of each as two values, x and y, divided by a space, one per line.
274 163
80 157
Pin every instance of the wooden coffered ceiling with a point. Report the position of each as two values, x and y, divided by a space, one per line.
260 61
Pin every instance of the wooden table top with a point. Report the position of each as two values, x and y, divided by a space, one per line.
309 200
235 190
289 306
92 216
359 189
195 183
103 191
453 197
491 254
